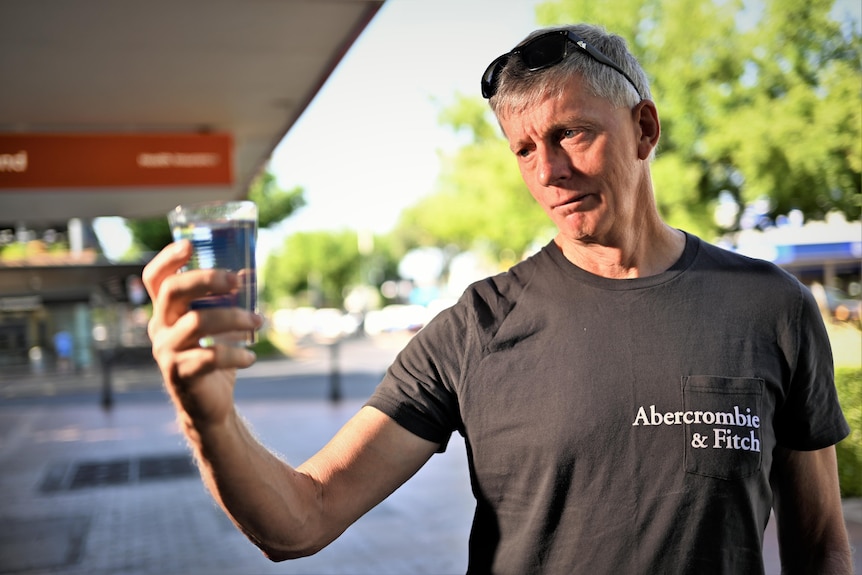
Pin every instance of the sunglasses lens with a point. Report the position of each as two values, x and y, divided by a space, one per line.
492 74
544 51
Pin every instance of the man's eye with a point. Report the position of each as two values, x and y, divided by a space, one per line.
523 153
569 133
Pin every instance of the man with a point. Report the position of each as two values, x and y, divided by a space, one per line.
633 400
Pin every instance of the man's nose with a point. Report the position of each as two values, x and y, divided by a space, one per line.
554 166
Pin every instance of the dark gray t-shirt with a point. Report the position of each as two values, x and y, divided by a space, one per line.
622 426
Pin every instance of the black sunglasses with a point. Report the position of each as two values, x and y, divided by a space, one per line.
543 52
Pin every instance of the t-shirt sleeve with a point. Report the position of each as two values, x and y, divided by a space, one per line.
418 388
811 417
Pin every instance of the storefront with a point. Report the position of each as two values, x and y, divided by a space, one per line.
45 309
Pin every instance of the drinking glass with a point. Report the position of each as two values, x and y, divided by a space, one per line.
223 236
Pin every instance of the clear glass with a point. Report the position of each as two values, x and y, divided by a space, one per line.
224 236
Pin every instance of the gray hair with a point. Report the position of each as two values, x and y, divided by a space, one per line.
518 88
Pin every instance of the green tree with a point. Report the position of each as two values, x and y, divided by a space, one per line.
480 197
756 99
312 268
149 234
274 205
318 268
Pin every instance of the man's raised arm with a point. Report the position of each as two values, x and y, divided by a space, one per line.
288 512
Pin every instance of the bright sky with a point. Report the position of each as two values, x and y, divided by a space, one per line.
367 147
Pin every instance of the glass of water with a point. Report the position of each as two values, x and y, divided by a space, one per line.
223 236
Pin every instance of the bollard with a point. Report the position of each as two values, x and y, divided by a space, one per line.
107 384
334 371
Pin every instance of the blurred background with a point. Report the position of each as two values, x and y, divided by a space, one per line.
383 182
384 189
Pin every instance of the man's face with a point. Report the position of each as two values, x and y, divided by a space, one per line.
579 157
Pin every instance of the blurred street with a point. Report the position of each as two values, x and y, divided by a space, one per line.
90 491
85 490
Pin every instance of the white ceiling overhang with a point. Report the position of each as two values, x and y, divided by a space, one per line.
247 68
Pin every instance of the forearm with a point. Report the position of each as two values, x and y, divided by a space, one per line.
275 506
818 552
837 562
812 535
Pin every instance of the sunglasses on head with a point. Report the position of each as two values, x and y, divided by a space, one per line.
542 52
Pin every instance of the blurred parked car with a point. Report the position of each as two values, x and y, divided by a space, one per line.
396 318
842 306
321 325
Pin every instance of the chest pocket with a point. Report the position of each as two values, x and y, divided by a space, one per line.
723 426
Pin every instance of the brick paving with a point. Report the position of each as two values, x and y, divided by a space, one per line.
173 527
74 499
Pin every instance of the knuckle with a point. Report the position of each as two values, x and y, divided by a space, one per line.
195 363
148 276
152 329
195 323
162 353
169 286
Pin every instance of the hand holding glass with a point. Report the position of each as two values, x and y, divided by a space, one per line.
223 236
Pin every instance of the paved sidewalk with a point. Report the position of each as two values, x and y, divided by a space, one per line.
171 526
88 491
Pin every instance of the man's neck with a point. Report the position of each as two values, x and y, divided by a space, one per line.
647 253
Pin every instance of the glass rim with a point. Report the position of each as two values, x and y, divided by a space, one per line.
230 210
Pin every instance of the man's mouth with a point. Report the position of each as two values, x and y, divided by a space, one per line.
571 201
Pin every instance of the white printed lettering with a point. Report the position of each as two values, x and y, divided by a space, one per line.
655 417
14 162
641 417
177 160
736 417
725 440
723 418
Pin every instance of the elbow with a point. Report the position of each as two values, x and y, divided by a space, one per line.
280 550
295 532
277 554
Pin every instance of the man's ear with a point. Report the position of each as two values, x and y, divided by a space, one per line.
646 116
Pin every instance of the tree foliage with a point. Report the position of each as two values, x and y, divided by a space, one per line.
149 234
318 268
757 99
480 196
273 203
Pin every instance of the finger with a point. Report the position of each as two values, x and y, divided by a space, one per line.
194 363
178 291
194 325
166 263
179 356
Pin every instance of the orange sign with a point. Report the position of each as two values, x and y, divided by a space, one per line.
98 160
